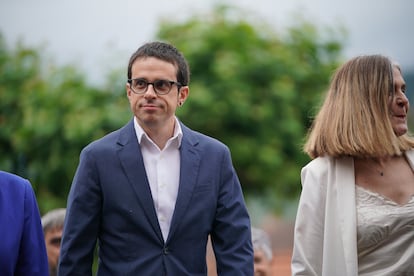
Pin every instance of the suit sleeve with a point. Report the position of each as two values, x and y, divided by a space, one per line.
309 226
32 254
231 237
82 220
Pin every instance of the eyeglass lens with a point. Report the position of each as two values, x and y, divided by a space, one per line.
160 86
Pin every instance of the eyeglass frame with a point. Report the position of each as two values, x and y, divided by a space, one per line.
179 85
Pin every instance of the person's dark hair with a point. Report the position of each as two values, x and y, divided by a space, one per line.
166 52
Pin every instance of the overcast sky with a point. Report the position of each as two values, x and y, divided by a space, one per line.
97 34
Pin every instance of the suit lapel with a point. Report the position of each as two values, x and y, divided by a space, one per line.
189 168
131 159
345 184
410 157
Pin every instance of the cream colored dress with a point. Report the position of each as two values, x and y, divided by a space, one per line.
385 235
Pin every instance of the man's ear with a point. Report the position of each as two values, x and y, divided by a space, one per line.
183 94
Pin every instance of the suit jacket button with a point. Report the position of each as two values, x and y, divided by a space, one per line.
166 251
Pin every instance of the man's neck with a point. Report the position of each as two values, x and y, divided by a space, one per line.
160 134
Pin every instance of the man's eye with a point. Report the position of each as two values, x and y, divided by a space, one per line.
140 83
162 84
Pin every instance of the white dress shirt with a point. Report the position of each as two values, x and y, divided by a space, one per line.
163 172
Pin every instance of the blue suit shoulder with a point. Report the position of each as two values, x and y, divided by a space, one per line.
200 139
13 181
21 227
106 142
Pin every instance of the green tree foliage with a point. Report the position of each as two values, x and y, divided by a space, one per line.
255 89
47 115
251 87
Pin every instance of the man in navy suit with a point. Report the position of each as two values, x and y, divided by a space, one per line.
153 191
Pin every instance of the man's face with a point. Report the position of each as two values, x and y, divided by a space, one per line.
153 111
52 240
261 264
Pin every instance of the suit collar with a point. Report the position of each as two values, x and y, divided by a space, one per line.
140 133
410 157
189 169
130 157
345 186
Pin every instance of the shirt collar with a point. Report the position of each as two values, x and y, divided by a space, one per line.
177 137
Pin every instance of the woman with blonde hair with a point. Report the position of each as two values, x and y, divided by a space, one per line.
356 210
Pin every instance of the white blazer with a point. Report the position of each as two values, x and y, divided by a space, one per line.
325 240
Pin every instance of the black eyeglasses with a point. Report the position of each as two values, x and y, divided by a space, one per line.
161 87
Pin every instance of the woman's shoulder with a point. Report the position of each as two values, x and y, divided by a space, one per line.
319 163
323 164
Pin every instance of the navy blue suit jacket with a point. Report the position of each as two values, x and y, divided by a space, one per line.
110 201
22 244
